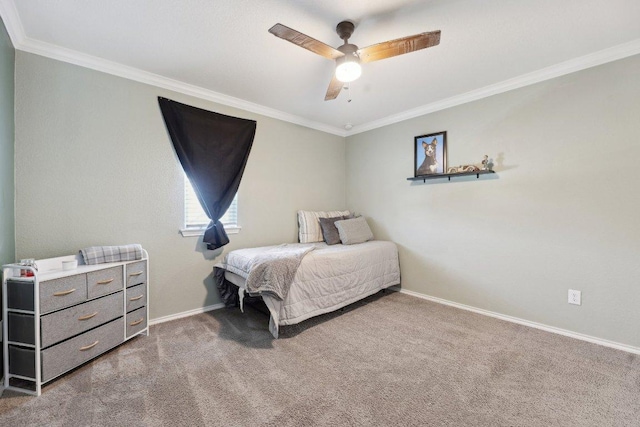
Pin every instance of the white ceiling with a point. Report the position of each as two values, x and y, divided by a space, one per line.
221 50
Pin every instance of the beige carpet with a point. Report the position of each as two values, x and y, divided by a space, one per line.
391 360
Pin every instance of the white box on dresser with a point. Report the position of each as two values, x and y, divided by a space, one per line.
59 319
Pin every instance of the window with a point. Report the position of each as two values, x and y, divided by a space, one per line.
196 221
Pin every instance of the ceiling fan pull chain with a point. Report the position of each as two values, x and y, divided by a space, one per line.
348 125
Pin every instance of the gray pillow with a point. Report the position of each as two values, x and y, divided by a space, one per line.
354 230
329 230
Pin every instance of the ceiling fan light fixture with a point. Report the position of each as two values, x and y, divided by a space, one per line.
348 68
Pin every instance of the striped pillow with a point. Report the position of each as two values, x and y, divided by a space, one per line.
309 230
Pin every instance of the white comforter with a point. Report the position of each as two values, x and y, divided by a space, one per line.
329 277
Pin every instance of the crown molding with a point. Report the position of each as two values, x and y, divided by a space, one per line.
12 22
11 19
131 73
21 42
567 67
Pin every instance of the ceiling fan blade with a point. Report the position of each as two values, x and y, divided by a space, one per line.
397 47
305 41
334 89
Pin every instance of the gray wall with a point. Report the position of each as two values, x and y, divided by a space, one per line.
95 166
561 212
7 61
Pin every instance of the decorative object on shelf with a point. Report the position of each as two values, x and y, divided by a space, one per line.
486 164
462 168
430 154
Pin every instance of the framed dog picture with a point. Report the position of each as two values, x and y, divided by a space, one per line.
430 154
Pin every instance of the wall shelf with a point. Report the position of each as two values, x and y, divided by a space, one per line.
424 178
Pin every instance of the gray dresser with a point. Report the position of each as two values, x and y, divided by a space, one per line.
57 320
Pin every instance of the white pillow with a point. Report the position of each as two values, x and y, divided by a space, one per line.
309 230
354 230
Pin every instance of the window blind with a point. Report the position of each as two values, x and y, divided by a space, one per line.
195 217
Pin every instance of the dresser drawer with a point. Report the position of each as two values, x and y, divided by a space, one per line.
63 324
60 293
136 297
22 361
21 328
20 295
136 273
104 282
136 321
74 352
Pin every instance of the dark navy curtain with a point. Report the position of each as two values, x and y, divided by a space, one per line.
213 150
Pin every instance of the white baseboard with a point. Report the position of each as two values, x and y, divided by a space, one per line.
185 314
552 329
547 328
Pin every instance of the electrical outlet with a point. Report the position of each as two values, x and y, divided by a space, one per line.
575 297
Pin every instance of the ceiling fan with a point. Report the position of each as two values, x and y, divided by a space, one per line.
348 56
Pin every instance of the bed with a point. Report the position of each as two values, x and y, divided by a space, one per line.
327 277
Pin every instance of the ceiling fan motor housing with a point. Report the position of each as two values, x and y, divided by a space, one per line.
345 29
349 50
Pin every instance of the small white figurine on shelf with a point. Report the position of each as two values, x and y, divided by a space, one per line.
485 163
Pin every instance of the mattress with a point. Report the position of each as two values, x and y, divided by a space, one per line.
328 278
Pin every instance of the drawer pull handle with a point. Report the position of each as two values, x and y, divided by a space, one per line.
136 322
136 274
89 347
88 316
136 298
104 282
63 293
